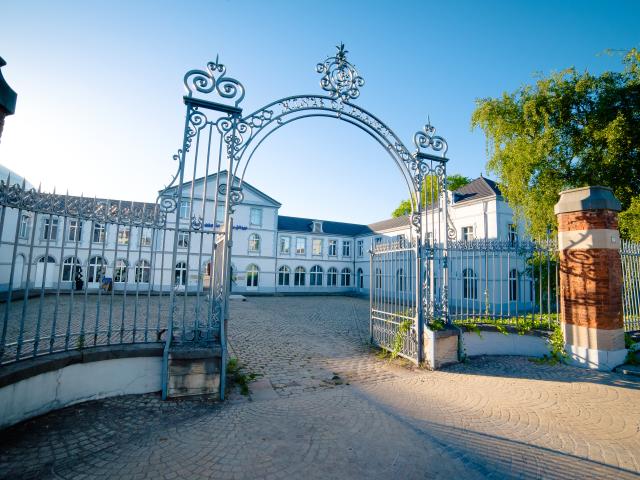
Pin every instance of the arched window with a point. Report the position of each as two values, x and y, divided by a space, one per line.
254 243
252 275
298 277
70 268
401 280
97 269
332 277
120 272
315 276
378 278
180 274
284 274
469 284
345 277
143 270
513 285
360 278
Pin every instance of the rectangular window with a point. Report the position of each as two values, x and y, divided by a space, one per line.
333 248
123 236
467 234
24 226
346 248
75 231
285 245
377 240
145 237
50 230
98 233
183 239
184 208
255 219
360 248
301 245
512 232
316 246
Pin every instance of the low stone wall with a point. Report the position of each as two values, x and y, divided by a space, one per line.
488 342
36 386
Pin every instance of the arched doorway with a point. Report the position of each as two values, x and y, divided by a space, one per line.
45 272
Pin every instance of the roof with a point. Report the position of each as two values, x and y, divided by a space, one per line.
479 188
223 173
298 224
396 222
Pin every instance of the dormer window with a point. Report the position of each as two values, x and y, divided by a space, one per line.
317 226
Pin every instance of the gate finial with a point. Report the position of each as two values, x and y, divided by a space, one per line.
340 77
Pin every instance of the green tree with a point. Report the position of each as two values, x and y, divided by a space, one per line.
568 130
431 190
630 221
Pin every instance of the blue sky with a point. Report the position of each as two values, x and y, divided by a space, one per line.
100 84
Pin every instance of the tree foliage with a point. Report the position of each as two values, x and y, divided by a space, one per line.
630 221
431 190
571 129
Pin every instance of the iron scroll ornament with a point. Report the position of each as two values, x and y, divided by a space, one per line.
340 77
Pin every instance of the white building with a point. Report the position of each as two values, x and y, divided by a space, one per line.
271 253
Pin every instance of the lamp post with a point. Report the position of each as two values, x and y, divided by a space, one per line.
7 98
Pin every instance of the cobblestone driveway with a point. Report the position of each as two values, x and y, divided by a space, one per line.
326 407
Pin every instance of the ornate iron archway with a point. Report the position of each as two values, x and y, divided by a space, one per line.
219 139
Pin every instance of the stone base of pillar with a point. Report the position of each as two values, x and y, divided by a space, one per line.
594 348
440 348
194 371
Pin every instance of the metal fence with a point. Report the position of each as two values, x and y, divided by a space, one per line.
392 287
79 272
504 282
630 256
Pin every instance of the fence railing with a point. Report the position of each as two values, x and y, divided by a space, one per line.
504 282
630 256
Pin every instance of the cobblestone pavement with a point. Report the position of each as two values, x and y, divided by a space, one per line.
327 407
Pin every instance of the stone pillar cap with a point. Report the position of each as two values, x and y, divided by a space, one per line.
587 198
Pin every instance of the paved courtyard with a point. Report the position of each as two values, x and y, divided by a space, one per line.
324 406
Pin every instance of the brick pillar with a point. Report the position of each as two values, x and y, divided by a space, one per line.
591 277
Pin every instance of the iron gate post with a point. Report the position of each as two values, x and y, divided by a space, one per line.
371 254
419 297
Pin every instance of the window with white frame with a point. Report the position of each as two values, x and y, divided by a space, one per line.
70 268
316 246
469 284
180 274
467 234
345 278
284 274
401 280
301 245
123 235
145 237
332 277
512 233
99 232
50 229
24 226
183 240
346 248
360 247
298 277
360 278
143 271
255 217
97 269
285 245
377 240
315 276
378 278
74 233
254 243
513 285
317 226
184 209
333 248
253 272
120 272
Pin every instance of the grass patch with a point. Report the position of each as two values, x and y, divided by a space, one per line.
238 376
